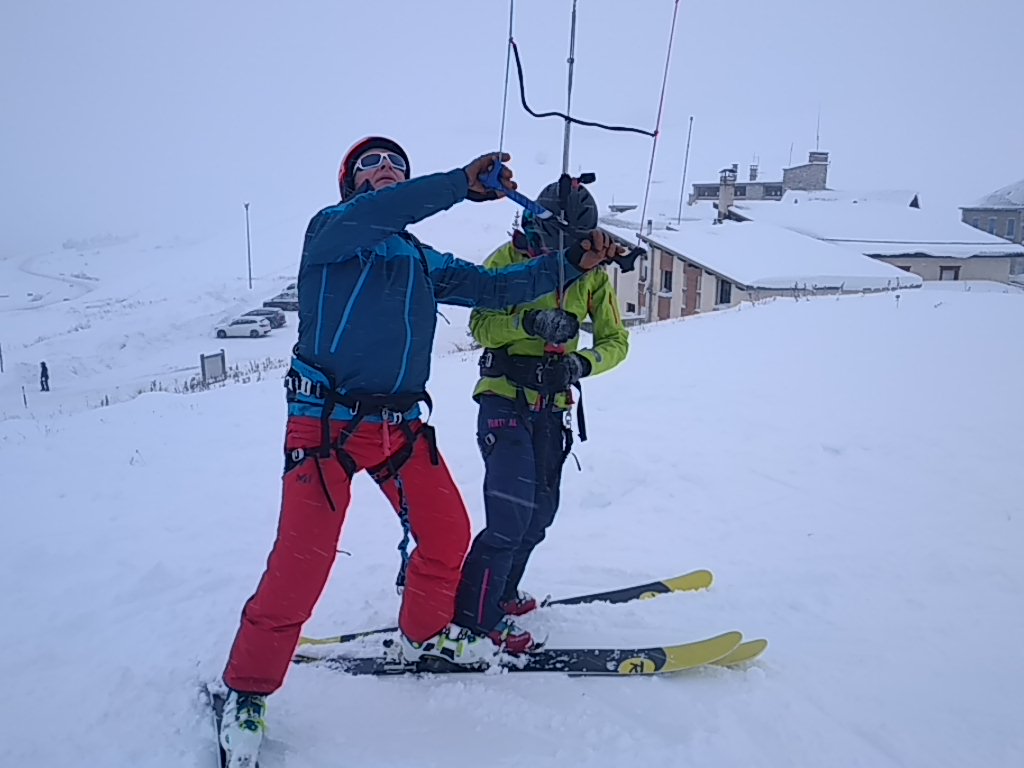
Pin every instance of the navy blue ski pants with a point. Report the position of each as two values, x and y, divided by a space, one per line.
523 472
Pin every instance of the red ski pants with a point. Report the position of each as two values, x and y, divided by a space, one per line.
307 541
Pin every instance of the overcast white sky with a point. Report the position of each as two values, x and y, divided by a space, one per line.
163 117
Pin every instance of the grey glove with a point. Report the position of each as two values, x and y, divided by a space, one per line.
555 326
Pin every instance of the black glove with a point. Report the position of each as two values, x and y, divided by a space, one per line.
557 374
555 326
600 248
481 197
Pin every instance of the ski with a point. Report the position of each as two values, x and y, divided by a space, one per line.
688 582
742 653
576 662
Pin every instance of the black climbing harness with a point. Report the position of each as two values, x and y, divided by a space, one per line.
527 372
392 410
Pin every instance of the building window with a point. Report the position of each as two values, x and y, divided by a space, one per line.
630 308
707 191
1011 229
976 222
992 225
772 190
741 190
724 292
666 280
949 273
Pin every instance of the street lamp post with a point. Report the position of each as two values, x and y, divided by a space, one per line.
248 245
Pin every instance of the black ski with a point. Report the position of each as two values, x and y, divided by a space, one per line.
602 662
694 580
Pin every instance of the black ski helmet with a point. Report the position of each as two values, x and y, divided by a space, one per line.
347 171
580 214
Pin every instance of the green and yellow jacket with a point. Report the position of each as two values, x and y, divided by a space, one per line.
591 295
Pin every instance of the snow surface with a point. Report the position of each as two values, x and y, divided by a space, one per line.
756 255
848 467
877 228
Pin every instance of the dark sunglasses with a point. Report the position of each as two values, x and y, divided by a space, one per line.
372 160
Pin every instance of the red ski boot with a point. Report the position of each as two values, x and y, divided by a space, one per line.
512 639
522 604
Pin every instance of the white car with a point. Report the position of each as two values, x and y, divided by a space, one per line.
244 326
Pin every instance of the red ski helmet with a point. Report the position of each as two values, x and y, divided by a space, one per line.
347 171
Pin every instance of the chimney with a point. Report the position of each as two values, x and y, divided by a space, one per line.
753 172
817 157
726 190
650 226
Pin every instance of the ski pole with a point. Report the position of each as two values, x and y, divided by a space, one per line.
492 180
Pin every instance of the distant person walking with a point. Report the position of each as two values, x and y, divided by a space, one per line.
44 378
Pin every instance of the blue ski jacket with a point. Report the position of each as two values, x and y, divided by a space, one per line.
369 290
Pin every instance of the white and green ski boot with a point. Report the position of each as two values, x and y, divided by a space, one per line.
242 727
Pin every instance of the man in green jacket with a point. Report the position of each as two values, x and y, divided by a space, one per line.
529 364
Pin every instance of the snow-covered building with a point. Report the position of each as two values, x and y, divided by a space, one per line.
701 266
810 175
1000 213
930 244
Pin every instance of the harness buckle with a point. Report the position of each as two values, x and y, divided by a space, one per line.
297 383
389 416
487 359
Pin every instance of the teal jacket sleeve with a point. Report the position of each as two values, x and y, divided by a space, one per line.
342 231
465 284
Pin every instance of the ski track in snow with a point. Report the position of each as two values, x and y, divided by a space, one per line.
845 467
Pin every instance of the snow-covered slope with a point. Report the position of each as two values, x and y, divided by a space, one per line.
122 315
848 468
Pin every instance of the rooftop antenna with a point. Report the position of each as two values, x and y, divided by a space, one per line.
791 153
817 132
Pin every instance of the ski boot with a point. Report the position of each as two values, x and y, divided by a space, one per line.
453 646
519 605
511 638
242 728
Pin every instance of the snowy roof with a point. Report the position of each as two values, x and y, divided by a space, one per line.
662 213
619 230
877 228
1010 196
888 196
755 255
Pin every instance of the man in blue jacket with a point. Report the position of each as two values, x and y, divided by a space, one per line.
368 295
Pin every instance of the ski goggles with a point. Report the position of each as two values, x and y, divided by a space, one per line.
372 160
538 237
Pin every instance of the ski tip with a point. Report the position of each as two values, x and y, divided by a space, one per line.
693 580
700 652
743 653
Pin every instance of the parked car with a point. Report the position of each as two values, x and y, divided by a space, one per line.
244 326
277 318
286 300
